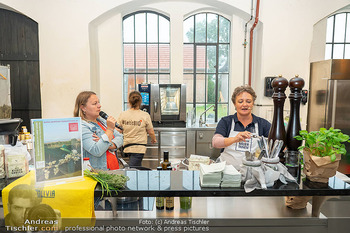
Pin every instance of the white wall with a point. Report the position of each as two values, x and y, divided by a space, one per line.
317 52
287 37
80 43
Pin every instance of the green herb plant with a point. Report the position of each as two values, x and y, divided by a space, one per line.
108 182
324 142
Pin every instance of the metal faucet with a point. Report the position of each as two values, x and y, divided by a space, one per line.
201 121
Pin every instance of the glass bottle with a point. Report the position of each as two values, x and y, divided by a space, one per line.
169 201
159 200
165 164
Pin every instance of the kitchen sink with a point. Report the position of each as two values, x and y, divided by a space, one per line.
211 125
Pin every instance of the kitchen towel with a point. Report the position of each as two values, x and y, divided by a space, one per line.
253 175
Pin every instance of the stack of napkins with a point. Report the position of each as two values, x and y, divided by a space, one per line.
219 174
210 175
231 177
195 160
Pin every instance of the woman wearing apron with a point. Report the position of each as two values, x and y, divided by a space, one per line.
233 132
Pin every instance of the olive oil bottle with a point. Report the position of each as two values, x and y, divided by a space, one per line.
169 201
165 164
159 200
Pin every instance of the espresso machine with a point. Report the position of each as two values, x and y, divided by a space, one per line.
9 130
166 104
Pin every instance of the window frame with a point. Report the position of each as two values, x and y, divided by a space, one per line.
206 72
146 72
332 43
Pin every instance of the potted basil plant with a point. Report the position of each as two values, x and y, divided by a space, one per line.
322 152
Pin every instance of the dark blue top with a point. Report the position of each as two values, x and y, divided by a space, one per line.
224 126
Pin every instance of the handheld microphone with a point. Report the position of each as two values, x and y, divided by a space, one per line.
105 116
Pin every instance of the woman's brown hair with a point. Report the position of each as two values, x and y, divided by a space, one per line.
240 89
81 99
135 99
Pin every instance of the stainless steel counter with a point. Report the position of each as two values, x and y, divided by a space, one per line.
193 128
220 207
181 143
223 214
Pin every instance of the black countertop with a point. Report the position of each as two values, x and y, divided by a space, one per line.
186 183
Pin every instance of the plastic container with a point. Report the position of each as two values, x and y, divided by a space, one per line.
86 164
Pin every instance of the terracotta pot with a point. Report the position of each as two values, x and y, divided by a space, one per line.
319 169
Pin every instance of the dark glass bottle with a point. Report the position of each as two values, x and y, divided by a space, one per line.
169 201
160 200
165 162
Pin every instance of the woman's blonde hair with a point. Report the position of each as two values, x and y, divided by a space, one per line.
240 89
135 99
81 99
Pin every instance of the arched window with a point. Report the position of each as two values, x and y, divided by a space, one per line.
146 45
206 64
338 36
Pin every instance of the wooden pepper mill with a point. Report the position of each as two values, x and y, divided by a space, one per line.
277 130
292 156
296 84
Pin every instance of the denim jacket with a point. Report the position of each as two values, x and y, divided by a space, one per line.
96 151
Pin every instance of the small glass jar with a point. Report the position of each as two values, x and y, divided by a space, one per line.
86 164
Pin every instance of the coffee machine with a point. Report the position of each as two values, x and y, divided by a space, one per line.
166 104
9 130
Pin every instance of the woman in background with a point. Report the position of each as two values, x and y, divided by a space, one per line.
100 137
137 124
233 132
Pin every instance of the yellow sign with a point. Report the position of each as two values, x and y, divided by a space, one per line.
53 204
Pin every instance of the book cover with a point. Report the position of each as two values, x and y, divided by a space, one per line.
57 149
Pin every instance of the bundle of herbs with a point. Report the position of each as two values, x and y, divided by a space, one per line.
108 182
